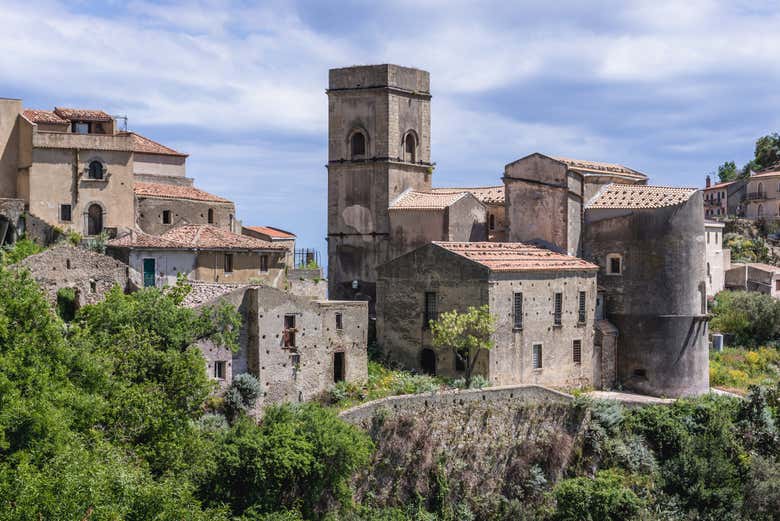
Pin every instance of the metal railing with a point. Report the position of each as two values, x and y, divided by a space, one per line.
755 196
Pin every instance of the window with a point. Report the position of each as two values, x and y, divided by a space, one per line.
263 262
211 216
410 148
92 286
94 219
358 144
338 367
95 170
518 311
777 285
581 315
65 213
81 128
708 237
492 222
576 351
288 339
339 321
166 217
557 309
228 263
614 264
219 369
537 356
431 312
230 222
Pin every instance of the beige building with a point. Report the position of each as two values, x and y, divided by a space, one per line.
297 347
75 170
754 276
276 236
203 253
724 199
544 304
763 195
718 258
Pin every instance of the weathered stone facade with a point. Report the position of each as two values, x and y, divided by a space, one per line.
182 211
762 278
91 274
295 346
457 282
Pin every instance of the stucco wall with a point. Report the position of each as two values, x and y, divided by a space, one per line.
9 145
168 263
658 303
717 260
210 267
159 165
183 211
770 202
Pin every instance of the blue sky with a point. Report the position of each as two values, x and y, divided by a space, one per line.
670 88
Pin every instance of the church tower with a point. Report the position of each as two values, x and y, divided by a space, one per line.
379 144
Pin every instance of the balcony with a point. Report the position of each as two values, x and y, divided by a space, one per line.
119 142
756 196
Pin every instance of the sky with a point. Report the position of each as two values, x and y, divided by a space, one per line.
669 88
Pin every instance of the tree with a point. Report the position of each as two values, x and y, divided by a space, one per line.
753 318
466 333
604 498
727 172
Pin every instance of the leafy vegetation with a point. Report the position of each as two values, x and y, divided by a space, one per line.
765 154
737 369
746 249
21 249
468 334
751 318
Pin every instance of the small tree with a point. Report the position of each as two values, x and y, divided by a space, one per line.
466 333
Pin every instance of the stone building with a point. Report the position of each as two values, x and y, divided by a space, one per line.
90 274
718 258
202 252
544 303
276 236
763 195
650 247
297 347
754 276
75 170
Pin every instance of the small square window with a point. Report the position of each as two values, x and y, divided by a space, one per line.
228 263
220 369
614 264
537 356
65 213
166 217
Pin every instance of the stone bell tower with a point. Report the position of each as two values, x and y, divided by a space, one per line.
379 144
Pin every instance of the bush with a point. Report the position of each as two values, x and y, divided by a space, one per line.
66 304
19 250
604 498
739 368
753 318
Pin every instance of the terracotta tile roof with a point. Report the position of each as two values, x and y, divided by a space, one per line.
770 173
194 236
490 195
594 167
719 185
206 236
166 191
416 200
44 116
271 232
640 196
516 256
82 114
144 145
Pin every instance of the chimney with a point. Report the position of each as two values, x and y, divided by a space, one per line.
708 183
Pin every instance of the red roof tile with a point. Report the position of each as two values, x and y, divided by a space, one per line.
144 145
271 232
44 116
166 191
82 114
595 167
194 236
719 185
516 256
423 200
490 195
640 196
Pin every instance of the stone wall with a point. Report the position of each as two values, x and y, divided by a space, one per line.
90 274
9 145
183 211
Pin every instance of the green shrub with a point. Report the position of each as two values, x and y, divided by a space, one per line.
604 498
19 250
753 318
66 304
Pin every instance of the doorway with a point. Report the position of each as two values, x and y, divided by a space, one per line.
339 368
150 269
428 361
94 219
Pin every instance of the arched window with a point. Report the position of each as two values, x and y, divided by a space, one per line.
95 170
760 212
410 148
94 219
358 145
492 222
760 188
211 216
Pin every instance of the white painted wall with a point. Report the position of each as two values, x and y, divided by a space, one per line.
168 264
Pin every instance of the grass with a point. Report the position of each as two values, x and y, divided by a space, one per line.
735 369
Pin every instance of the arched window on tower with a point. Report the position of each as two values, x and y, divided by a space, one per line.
95 170
358 145
410 148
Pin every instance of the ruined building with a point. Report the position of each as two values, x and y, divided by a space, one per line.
648 329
